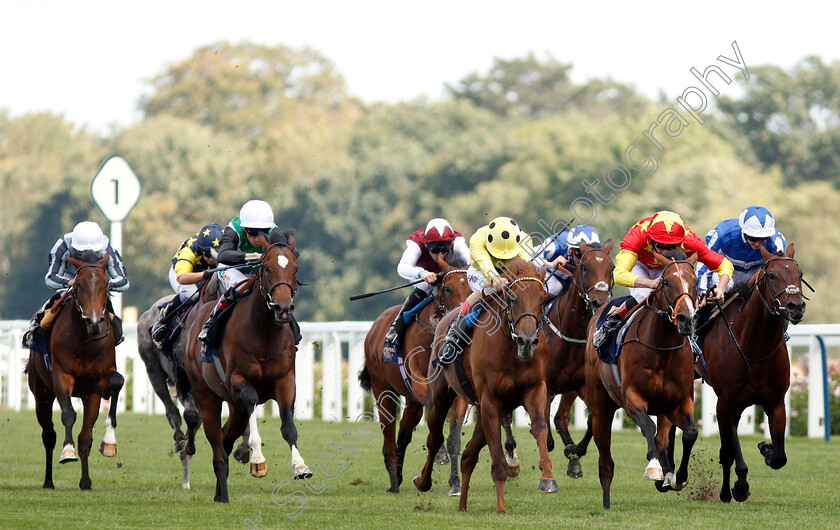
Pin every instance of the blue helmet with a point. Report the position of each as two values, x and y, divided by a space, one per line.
209 237
582 233
757 221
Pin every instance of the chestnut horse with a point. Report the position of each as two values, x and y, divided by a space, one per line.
82 363
505 364
654 376
256 362
747 360
590 288
384 379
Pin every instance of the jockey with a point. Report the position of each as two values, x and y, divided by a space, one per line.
637 268
86 242
190 265
559 250
240 244
741 240
492 247
437 240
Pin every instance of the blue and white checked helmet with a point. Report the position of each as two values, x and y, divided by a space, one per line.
757 221
582 233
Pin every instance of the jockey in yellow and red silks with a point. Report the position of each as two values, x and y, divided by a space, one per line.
637 268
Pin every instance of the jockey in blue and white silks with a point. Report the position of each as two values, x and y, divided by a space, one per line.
558 250
741 240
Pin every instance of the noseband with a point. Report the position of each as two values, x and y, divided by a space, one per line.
671 312
791 290
513 322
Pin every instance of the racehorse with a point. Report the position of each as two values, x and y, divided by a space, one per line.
505 365
81 363
590 288
255 363
654 375
747 361
384 379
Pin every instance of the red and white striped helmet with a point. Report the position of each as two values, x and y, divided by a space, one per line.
438 230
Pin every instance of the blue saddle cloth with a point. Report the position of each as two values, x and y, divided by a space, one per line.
612 345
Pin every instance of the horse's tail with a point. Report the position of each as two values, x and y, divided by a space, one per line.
364 378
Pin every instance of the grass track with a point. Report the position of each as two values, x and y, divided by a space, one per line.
140 488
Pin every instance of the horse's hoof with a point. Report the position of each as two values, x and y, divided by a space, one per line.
48 485
185 485
242 456
442 458
513 471
68 455
574 469
259 470
179 446
302 472
662 486
654 471
741 491
108 450
455 491
548 485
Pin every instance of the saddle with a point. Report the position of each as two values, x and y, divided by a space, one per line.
175 325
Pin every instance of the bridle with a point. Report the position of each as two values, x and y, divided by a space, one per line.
790 290
440 299
671 312
266 293
601 287
513 322
72 291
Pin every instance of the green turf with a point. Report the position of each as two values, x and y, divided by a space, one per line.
140 488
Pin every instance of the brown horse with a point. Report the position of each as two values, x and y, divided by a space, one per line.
747 361
654 376
505 364
590 288
256 362
384 379
82 363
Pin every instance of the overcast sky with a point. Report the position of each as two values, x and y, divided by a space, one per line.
90 60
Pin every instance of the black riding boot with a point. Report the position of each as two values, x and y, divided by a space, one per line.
398 325
221 305
612 323
163 319
458 336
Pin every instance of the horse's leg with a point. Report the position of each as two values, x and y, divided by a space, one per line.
63 387
108 446
534 404
44 399
550 437
193 421
665 440
284 390
157 377
511 457
730 451
689 437
91 412
248 398
561 422
470 457
387 402
774 452
410 418
453 445
442 456
636 408
602 434
211 415
242 453
440 400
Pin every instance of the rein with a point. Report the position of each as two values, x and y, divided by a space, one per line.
513 322
671 312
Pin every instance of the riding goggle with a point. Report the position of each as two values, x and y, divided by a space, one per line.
207 253
663 246
438 248
755 239
254 231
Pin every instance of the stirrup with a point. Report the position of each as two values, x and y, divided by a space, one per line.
205 330
392 336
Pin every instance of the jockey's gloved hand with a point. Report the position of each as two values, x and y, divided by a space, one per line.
207 274
253 256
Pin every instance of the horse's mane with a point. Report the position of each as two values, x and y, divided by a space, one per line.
519 267
675 254
88 256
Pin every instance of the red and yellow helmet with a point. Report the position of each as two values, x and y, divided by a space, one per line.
667 228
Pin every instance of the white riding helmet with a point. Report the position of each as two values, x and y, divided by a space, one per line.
256 214
88 236
757 221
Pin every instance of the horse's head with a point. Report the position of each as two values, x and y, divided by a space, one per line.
677 289
782 279
594 274
90 291
278 277
524 307
453 288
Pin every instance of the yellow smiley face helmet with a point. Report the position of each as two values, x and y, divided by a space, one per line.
504 238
